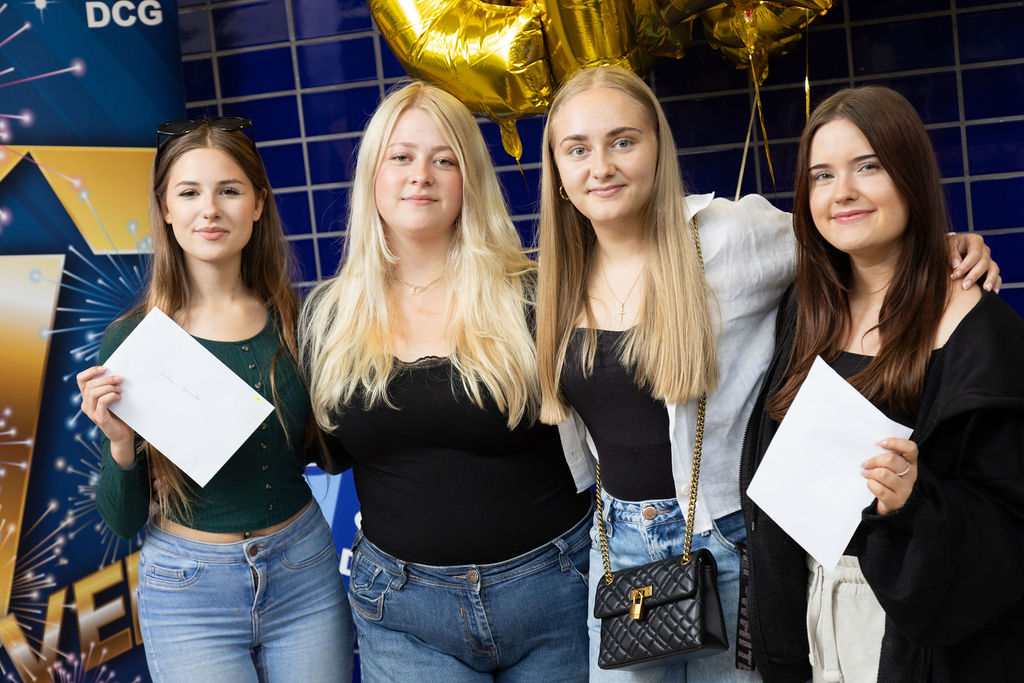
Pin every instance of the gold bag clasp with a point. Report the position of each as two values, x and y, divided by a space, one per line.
636 597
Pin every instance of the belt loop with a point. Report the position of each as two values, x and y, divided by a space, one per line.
403 576
563 553
609 516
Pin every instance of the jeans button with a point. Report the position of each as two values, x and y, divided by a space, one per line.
473 576
649 512
253 550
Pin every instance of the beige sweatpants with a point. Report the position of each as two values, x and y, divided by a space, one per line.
845 624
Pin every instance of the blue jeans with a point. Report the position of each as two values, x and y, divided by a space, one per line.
634 540
519 620
269 608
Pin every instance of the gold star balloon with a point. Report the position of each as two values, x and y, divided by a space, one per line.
505 59
491 56
749 32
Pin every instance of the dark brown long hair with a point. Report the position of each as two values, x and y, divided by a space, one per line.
917 295
265 271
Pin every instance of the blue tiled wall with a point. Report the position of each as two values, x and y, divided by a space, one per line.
310 72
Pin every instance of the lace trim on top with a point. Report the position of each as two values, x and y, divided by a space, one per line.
423 362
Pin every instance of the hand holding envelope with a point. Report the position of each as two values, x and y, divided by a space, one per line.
809 481
182 399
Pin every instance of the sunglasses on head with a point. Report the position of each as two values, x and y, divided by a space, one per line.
229 124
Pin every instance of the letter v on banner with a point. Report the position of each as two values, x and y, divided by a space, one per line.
28 300
32 665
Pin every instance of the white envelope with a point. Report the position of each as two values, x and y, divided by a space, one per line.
179 397
809 481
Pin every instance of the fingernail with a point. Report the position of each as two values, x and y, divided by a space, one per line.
884 443
967 284
956 262
988 287
954 275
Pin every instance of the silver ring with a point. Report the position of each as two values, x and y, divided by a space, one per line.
900 474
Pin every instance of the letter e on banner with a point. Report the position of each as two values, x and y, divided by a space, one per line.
91 618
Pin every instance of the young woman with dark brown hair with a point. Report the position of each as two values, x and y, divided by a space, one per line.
930 587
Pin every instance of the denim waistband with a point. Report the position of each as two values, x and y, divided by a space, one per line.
237 551
668 510
572 540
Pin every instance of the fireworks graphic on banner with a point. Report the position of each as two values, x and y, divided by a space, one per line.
107 286
82 514
71 670
10 77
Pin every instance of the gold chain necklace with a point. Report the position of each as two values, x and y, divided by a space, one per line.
416 290
622 304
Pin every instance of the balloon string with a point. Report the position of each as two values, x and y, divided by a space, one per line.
807 67
764 132
746 147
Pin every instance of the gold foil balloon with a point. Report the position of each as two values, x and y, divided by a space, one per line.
490 56
656 37
675 11
581 33
748 32
504 59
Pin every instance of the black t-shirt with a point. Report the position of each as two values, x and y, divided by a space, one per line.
443 482
629 427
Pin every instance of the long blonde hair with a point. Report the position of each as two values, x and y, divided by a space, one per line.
673 346
346 325
265 271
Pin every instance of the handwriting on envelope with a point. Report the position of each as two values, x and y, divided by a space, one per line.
182 399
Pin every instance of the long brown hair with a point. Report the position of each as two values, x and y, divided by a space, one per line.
265 271
916 296
673 346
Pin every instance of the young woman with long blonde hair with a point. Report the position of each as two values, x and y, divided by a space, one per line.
238 580
471 560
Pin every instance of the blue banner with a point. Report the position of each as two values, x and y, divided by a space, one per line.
83 85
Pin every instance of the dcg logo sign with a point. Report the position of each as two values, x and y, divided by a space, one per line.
123 13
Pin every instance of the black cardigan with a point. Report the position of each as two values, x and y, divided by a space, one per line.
948 567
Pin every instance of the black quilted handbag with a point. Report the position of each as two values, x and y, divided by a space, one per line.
662 610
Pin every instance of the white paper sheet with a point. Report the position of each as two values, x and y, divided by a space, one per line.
809 481
182 399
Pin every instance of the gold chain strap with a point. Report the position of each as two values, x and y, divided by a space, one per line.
698 442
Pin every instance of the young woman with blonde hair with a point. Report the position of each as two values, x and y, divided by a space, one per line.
238 580
647 299
471 561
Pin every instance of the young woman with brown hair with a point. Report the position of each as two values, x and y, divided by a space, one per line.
930 587
238 580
